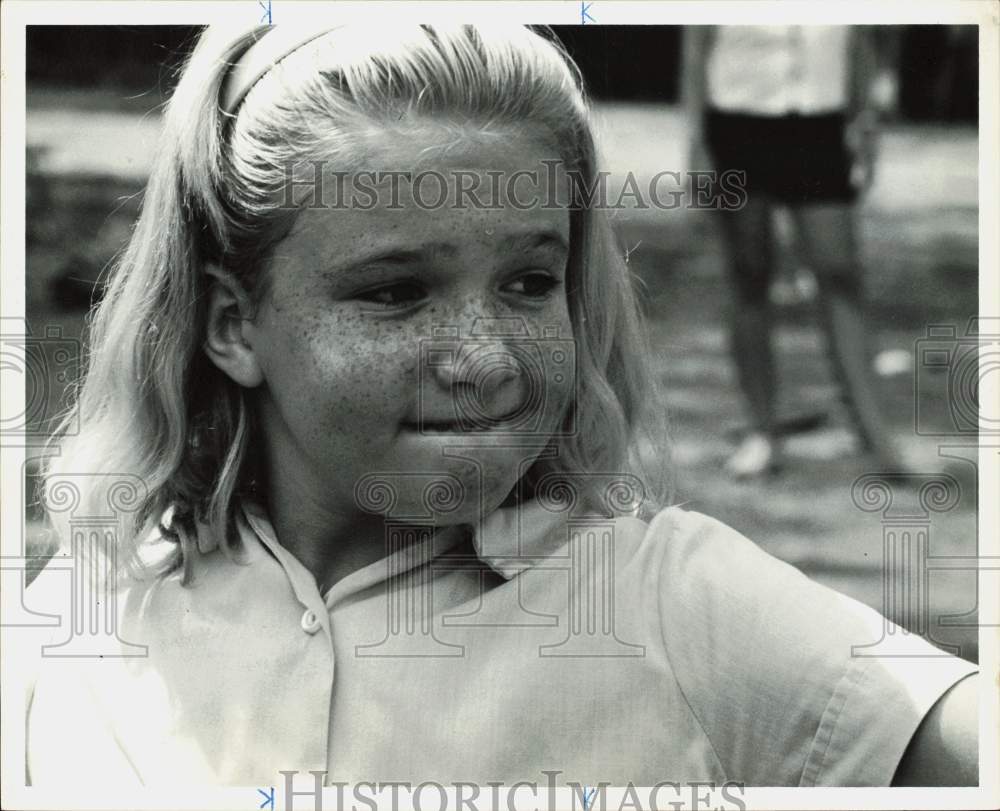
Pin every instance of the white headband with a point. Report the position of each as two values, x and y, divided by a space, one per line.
266 49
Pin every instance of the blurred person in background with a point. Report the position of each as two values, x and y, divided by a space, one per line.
796 108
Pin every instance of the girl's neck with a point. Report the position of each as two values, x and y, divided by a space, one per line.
331 543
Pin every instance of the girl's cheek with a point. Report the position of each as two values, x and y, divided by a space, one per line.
349 328
371 357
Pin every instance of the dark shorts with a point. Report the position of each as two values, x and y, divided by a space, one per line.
793 159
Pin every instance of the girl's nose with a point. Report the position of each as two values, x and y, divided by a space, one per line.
486 377
481 364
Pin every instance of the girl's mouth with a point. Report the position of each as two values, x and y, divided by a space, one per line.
481 425
449 427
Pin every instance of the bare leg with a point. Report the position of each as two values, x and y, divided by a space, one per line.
829 239
748 239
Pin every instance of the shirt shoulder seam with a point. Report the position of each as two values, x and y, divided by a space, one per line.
668 516
816 758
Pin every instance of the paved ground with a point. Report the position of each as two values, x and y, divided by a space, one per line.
920 227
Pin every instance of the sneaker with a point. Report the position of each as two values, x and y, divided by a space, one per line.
756 456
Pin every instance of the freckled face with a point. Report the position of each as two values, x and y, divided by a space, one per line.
356 382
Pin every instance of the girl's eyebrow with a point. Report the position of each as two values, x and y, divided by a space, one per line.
395 256
547 240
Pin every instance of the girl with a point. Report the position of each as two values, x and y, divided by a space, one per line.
792 107
382 401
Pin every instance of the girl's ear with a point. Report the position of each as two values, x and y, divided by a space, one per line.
229 310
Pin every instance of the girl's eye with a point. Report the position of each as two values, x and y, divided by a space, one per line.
537 284
399 294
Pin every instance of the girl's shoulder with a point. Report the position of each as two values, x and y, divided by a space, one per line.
680 541
681 553
791 680
754 606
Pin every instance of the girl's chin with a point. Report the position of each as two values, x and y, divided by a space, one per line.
450 491
470 514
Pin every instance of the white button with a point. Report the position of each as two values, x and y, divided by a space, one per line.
310 622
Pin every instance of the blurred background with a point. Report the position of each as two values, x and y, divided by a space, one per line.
93 106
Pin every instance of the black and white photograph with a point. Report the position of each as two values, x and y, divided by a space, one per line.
500 406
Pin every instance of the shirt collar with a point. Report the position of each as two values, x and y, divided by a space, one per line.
512 539
509 541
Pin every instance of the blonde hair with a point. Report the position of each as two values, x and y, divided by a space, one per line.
153 406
